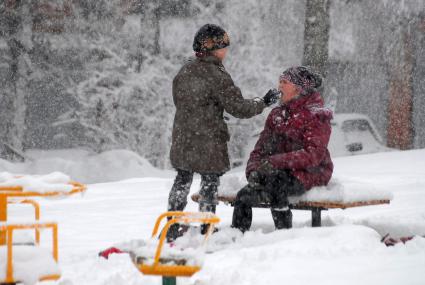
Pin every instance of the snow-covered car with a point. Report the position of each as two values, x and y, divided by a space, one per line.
352 134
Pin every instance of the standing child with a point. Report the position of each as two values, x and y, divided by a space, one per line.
202 91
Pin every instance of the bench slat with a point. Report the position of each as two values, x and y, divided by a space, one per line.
308 204
340 205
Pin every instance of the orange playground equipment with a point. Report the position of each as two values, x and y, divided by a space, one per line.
15 195
174 268
9 229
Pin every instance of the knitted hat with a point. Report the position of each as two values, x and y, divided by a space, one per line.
302 76
210 37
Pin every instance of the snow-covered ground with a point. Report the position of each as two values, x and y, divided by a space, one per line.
346 250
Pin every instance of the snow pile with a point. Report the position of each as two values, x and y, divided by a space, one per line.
30 263
340 189
55 181
143 251
331 255
86 167
321 242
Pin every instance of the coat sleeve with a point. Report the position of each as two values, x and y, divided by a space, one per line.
315 142
230 96
257 155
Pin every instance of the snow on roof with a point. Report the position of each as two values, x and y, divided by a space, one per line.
349 116
55 181
30 263
340 118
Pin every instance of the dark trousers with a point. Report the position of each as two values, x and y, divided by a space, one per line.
272 191
177 198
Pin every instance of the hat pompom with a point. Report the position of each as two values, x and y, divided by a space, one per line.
311 76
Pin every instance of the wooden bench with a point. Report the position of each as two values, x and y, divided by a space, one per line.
316 207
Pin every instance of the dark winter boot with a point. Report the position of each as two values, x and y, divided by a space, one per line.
242 217
208 193
206 207
205 227
282 218
177 201
175 231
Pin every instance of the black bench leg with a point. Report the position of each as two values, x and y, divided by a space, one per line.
316 217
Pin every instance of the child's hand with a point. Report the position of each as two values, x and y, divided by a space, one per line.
266 168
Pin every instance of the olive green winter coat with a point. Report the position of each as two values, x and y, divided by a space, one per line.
202 90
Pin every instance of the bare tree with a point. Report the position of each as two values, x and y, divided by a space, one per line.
316 35
12 118
400 106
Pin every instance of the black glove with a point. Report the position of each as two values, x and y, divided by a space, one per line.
254 179
266 169
271 97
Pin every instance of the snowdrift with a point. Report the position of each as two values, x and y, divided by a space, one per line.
86 167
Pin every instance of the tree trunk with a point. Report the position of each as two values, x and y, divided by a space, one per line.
150 28
156 22
418 118
13 101
400 126
316 35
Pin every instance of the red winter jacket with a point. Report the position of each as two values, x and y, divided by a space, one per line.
296 137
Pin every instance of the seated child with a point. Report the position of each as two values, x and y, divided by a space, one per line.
291 155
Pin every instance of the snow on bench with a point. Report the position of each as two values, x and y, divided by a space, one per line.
53 182
341 192
30 264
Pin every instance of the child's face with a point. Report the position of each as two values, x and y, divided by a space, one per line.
220 53
289 90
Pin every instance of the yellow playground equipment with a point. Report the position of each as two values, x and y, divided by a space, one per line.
36 207
9 229
16 195
169 272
